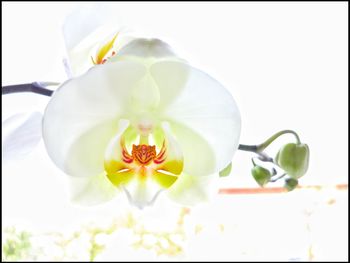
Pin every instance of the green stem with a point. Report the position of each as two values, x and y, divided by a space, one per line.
277 178
259 149
263 146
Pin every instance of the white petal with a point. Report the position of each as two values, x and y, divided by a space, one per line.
143 48
163 81
142 193
83 21
171 79
145 95
95 101
206 109
20 135
91 190
191 190
174 157
85 156
83 29
114 149
198 155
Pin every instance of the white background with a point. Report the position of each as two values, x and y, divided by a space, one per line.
286 65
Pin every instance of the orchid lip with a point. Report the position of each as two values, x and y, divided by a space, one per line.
135 165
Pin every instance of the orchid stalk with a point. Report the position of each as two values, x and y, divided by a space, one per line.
137 118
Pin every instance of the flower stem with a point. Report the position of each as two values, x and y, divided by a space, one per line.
248 148
261 147
35 87
277 178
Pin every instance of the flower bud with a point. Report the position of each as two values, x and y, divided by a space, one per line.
294 159
261 175
291 184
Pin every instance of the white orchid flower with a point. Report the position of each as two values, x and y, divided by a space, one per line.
141 120
136 118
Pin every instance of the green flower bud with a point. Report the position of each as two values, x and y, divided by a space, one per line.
294 159
261 175
291 184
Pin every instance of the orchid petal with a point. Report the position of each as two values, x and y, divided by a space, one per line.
163 179
171 79
95 99
85 156
119 179
167 171
91 190
21 134
191 190
173 157
142 191
115 154
83 21
143 49
199 158
145 95
206 108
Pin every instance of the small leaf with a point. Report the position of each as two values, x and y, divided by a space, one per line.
226 171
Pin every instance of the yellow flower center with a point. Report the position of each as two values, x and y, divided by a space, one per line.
148 160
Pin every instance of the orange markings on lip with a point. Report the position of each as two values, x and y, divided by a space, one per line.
161 155
127 158
143 154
